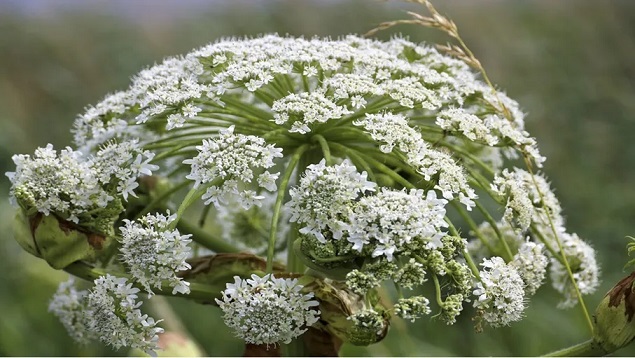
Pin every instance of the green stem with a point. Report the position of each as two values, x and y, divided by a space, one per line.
360 162
437 288
585 349
466 253
198 291
561 248
154 203
398 290
470 222
325 148
470 156
377 164
204 238
284 183
500 236
544 240
193 195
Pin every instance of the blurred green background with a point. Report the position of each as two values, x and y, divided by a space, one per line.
571 65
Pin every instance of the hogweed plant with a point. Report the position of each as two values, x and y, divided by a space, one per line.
309 188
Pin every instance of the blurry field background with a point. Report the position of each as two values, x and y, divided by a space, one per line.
571 65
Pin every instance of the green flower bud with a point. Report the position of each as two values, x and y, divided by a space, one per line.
58 242
614 326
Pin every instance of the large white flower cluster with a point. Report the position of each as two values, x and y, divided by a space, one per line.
108 312
501 295
392 221
267 310
378 139
531 263
584 267
154 253
72 184
322 200
393 131
231 157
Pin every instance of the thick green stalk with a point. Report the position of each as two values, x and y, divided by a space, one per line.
193 195
199 292
282 189
326 151
206 239
585 349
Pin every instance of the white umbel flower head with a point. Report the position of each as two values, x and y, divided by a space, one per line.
69 305
115 316
71 184
267 310
63 183
500 293
525 193
388 222
153 253
233 157
393 131
586 272
122 163
531 263
323 199
304 110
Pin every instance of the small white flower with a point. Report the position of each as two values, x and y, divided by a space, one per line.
391 220
175 121
153 253
393 131
268 181
267 310
531 263
190 110
412 308
232 157
69 305
500 293
367 320
586 272
306 109
323 198
471 126
115 316
65 182
123 163
524 199
310 71
358 102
